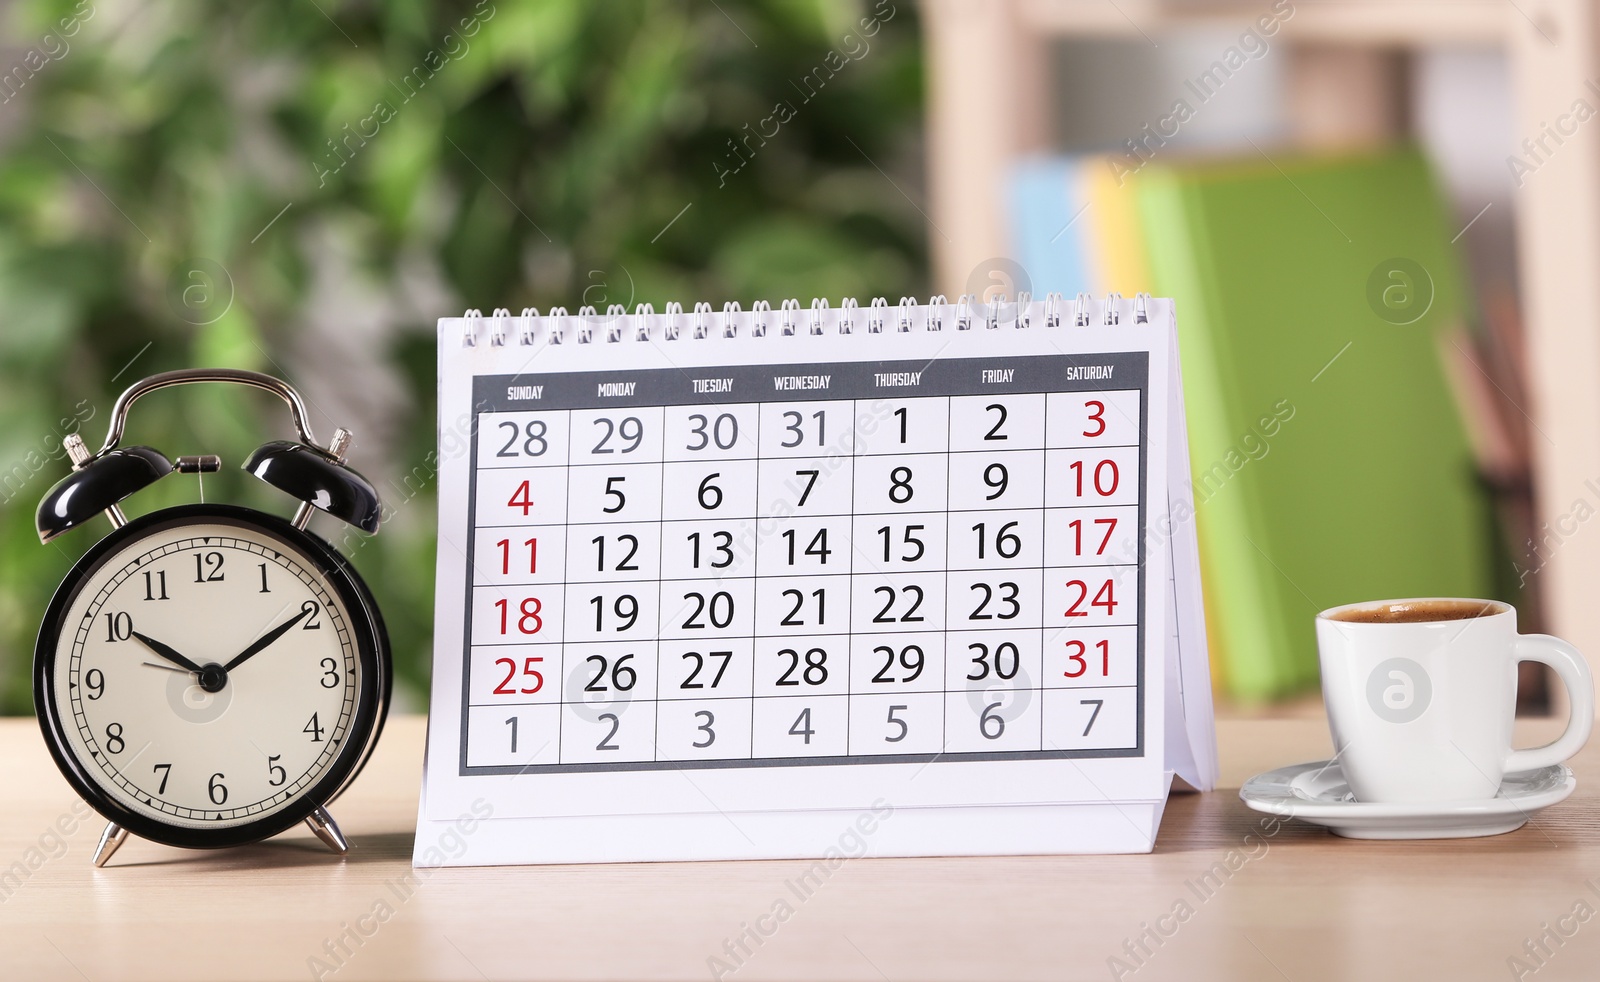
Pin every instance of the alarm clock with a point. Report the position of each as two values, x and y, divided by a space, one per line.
209 675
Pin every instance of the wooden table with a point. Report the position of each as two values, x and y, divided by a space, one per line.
1299 904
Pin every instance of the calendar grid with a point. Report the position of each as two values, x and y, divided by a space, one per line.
1044 515
946 621
944 702
849 649
661 601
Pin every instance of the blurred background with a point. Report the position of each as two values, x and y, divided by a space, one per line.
1380 222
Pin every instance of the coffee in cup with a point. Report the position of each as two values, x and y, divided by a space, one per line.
1422 694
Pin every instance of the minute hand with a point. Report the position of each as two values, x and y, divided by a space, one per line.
266 639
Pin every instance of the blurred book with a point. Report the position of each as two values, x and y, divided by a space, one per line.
1046 202
1330 462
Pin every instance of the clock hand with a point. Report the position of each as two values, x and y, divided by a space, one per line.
168 652
164 668
266 639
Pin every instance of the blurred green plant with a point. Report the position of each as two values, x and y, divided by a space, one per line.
187 183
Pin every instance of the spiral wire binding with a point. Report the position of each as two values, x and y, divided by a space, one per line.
818 305
991 312
875 313
673 329
964 312
1080 310
907 313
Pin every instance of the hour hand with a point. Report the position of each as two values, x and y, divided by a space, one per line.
167 651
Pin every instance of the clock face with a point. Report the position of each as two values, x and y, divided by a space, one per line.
208 673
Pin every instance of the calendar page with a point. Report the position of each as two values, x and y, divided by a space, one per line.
758 572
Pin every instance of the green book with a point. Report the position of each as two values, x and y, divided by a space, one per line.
1330 463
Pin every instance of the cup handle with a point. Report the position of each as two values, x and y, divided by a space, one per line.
1574 672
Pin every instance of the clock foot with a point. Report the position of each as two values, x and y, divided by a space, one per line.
327 830
110 841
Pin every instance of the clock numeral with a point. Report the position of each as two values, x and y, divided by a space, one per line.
166 772
95 681
119 626
114 742
217 790
314 728
330 673
279 775
156 588
311 609
208 567
264 587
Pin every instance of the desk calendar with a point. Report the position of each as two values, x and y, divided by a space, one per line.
717 584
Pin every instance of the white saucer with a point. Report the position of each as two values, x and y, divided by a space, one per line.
1317 793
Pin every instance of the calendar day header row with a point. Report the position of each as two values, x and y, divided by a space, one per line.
598 388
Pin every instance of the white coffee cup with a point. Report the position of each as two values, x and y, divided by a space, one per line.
1422 710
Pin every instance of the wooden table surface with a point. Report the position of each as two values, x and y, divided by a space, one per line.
1299 904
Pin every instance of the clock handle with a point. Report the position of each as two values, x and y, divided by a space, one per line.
326 829
283 390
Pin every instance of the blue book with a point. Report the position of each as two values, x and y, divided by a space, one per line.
1046 202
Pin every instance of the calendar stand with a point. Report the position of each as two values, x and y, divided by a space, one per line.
756 584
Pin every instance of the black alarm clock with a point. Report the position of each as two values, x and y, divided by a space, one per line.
210 675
